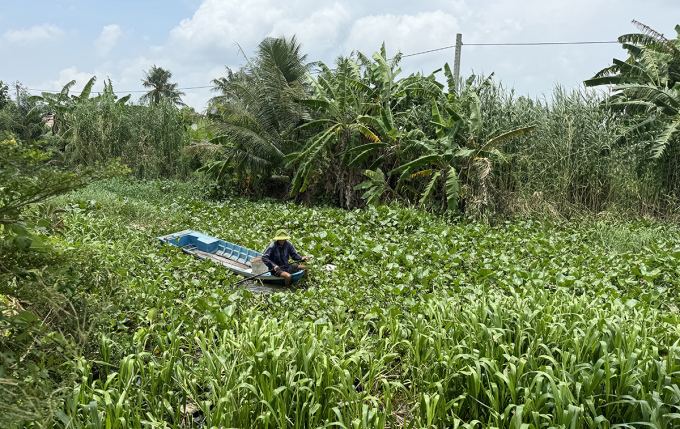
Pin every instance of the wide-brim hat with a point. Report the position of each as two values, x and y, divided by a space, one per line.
281 234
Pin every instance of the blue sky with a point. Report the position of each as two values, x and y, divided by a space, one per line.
45 44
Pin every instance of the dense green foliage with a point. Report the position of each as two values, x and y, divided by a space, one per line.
425 323
4 94
149 140
357 132
475 147
647 97
22 117
88 129
430 320
256 113
27 179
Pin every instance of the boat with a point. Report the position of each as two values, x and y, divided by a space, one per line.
231 256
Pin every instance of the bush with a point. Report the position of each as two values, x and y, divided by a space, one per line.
147 139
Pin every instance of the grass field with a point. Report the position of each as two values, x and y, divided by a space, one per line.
425 323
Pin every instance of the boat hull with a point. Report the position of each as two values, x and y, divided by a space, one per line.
231 256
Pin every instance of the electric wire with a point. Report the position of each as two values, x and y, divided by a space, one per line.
119 91
403 56
508 44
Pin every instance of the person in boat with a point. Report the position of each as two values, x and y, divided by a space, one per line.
278 254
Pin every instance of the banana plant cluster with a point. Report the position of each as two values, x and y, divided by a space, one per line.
324 129
453 160
61 105
647 89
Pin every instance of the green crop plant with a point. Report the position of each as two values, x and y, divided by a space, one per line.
425 323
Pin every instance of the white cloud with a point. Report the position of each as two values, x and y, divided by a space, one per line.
197 48
318 32
219 27
71 73
219 23
35 34
405 33
108 38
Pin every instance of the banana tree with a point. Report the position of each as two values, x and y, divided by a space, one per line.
659 111
653 60
60 104
353 111
356 126
454 160
647 91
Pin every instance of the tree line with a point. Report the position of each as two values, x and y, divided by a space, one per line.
356 132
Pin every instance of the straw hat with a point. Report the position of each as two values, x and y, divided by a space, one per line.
281 234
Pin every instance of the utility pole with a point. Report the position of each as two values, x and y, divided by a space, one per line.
456 64
16 84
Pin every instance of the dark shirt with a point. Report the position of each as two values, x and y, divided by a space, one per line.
279 255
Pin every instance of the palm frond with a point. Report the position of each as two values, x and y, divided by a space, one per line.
658 37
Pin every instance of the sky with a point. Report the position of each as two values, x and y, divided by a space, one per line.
45 44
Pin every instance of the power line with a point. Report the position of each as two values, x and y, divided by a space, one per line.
508 44
119 91
404 56
427 52
538 43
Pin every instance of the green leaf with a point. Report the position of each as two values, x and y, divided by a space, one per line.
506 136
87 89
361 158
664 139
22 242
423 160
429 190
437 120
151 314
26 316
452 189
475 114
314 124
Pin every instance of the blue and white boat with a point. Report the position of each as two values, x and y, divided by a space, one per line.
231 256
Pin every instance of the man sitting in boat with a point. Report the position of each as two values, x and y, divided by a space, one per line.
278 254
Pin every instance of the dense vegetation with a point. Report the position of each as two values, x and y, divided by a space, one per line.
423 323
488 270
357 132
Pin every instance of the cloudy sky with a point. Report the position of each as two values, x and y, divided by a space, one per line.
44 44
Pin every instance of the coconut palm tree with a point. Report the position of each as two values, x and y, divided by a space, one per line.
255 112
159 79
